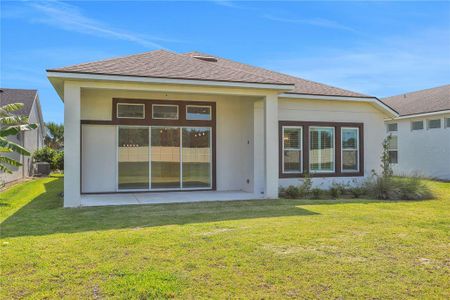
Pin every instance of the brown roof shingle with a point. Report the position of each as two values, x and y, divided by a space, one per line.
27 97
166 64
424 101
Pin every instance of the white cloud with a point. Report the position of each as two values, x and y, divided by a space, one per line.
69 17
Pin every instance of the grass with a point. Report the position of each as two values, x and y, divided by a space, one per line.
245 249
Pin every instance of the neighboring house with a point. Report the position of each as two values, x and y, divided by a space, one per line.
30 140
421 134
163 121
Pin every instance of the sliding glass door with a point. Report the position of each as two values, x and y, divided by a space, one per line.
133 158
196 158
164 158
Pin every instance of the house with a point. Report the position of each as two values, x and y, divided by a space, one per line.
420 141
164 121
30 140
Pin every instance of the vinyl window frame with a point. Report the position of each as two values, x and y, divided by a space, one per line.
412 125
199 105
300 149
334 150
130 104
393 150
431 128
343 149
387 127
158 118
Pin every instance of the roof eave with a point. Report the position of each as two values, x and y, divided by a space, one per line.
55 75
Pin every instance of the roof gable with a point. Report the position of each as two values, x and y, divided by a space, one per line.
27 97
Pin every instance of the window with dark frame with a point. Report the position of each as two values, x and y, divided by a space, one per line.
130 111
321 149
198 112
292 149
350 149
447 122
165 111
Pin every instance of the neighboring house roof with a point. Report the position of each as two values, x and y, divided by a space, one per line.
198 66
27 97
420 102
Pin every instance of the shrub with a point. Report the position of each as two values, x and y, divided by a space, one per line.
316 193
296 192
397 188
51 156
338 189
45 154
58 161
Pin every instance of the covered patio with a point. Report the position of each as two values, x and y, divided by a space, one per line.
165 197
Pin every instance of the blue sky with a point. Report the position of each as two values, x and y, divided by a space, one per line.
378 48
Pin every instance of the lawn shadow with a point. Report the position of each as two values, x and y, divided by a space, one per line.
45 214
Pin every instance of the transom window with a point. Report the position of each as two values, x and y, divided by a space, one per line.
392 127
416 125
130 111
433 124
292 149
198 112
350 149
321 149
165 111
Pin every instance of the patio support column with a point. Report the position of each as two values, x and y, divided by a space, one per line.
271 145
72 155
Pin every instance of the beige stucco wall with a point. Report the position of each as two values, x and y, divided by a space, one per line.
234 138
237 157
338 111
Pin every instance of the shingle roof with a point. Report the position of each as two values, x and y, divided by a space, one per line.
8 96
166 64
424 101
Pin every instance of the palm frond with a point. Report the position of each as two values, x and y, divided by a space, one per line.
9 108
13 120
5 169
9 161
4 143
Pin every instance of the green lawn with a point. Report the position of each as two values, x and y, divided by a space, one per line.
247 249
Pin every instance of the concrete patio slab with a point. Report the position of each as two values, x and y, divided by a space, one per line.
165 197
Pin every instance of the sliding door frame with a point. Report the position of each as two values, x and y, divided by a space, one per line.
182 122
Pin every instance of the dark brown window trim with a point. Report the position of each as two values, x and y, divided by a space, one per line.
148 121
305 150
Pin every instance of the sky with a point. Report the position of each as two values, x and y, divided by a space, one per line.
376 48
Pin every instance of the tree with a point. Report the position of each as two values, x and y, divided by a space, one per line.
10 125
55 135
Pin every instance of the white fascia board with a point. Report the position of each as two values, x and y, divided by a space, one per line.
434 113
373 100
82 76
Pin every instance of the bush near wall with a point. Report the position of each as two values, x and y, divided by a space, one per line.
53 157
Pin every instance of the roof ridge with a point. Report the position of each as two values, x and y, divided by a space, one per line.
226 67
276 72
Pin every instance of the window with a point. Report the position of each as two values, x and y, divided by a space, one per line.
350 149
436 123
393 149
167 112
130 111
392 127
292 149
321 149
447 122
198 112
416 125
